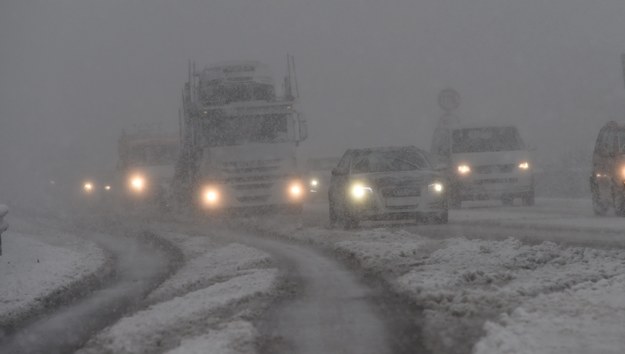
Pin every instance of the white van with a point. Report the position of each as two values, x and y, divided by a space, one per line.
485 162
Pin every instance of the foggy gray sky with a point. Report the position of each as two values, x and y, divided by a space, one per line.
74 73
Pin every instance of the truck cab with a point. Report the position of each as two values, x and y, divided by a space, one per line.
607 181
242 139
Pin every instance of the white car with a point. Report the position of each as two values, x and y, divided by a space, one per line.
485 162
386 183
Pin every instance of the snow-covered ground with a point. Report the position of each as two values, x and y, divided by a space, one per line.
506 296
40 265
208 303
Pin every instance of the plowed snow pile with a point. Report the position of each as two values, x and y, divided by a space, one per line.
206 305
509 296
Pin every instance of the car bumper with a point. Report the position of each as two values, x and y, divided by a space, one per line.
380 208
494 186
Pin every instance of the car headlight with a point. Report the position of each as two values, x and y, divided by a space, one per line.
88 187
137 183
359 191
314 182
296 191
436 187
107 188
464 169
210 196
524 165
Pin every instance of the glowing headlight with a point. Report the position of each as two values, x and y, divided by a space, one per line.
436 187
107 188
622 172
314 182
137 183
464 169
295 190
88 187
359 191
210 196
524 165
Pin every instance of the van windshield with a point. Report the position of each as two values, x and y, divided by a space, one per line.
486 139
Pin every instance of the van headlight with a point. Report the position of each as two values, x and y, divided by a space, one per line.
88 187
464 169
360 191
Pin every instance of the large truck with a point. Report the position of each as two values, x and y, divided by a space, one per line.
239 140
146 167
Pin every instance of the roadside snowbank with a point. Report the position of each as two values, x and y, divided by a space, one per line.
34 273
209 268
237 337
463 283
162 326
588 318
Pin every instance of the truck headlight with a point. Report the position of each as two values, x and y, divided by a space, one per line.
436 187
524 165
464 169
137 183
210 196
314 182
360 191
107 188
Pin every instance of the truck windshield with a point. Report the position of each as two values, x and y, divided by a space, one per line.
271 128
486 139
221 93
388 161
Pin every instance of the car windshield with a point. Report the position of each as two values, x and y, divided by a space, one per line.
389 161
486 139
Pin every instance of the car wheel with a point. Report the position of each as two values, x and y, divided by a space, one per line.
507 200
454 200
441 218
332 213
618 197
528 198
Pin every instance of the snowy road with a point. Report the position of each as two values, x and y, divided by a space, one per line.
140 265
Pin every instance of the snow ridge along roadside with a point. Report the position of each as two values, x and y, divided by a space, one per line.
473 288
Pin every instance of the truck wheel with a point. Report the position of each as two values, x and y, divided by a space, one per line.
528 198
350 221
598 206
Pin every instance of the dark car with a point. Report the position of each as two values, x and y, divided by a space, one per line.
607 182
386 183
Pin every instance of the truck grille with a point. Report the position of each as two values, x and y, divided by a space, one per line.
488 169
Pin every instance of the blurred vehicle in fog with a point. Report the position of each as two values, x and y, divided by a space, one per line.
146 168
239 140
607 181
386 183
485 162
319 171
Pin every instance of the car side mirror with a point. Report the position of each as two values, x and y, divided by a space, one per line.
337 172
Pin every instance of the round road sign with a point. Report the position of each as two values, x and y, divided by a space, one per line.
449 99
